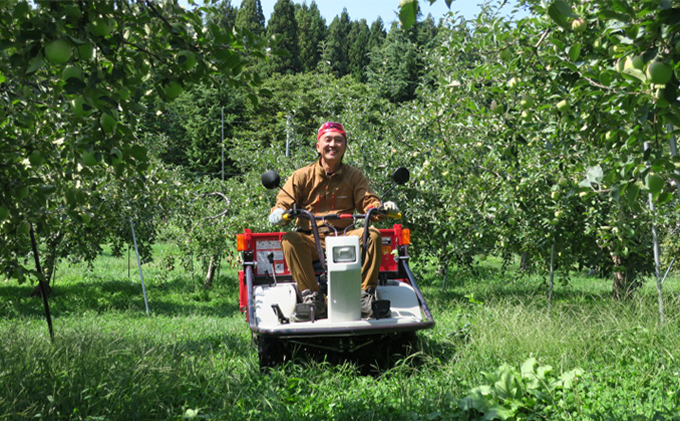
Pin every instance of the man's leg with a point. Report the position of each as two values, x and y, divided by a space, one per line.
300 252
370 267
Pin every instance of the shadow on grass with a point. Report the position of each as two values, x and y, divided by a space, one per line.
494 284
180 295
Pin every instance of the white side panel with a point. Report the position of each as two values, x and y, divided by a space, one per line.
403 301
264 296
344 279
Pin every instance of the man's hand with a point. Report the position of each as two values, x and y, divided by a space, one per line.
390 208
276 217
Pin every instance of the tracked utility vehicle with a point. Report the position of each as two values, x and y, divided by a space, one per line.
268 294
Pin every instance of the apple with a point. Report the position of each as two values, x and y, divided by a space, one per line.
555 195
86 51
506 54
563 106
563 182
24 228
611 136
659 73
638 62
621 65
72 71
606 78
101 26
186 59
495 107
72 13
173 90
527 101
85 217
558 214
58 51
512 83
579 25
654 182
35 158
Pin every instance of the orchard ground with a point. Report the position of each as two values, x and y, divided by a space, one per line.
193 356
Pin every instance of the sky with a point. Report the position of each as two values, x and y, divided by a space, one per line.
386 9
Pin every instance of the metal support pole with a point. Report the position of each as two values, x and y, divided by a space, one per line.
657 254
139 264
288 136
551 285
222 143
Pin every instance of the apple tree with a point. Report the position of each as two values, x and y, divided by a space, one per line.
75 79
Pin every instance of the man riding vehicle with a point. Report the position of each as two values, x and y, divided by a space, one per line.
328 186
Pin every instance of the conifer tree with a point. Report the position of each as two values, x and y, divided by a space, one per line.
337 50
358 49
378 34
311 32
283 27
251 17
395 66
224 14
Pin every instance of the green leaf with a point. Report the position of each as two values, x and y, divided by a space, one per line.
499 412
574 51
595 174
475 401
408 10
559 11
528 368
35 64
636 73
138 152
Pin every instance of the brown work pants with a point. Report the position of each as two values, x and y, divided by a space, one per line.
300 253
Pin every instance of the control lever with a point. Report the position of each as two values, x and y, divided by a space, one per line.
282 319
270 257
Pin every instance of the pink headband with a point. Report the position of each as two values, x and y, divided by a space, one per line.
329 126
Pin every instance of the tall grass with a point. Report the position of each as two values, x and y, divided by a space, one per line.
194 358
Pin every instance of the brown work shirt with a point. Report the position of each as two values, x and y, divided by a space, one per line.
345 191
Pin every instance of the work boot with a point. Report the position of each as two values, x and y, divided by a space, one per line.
372 307
312 302
367 298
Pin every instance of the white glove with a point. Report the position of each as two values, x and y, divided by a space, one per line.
276 217
390 208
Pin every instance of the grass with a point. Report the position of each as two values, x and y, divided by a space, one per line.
193 356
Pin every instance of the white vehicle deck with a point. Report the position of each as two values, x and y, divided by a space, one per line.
403 305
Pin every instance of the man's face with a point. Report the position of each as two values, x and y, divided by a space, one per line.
331 146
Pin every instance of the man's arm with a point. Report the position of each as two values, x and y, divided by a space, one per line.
364 197
284 199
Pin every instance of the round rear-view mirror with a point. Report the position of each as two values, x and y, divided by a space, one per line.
401 175
271 179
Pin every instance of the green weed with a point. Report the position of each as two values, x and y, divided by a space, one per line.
193 357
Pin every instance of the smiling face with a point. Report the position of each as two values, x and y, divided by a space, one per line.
331 147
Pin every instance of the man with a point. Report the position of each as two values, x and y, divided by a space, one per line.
328 187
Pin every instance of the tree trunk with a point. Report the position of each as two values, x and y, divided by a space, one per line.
625 281
212 266
524 262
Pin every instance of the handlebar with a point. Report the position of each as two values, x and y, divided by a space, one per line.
295 213
289 215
